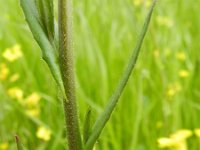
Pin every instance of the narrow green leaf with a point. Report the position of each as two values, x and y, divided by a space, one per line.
48 52
105 116
46 14
86 127
18 142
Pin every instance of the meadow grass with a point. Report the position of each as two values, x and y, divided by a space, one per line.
161 97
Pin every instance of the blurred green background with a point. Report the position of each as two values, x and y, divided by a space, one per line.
161 98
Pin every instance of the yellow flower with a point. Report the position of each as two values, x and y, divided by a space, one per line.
181 56
197 132
34 112
4 146
176 141
43 133
183 73
14 77
181 146
16 93
12 54
33 99
181 135
4 72
165 142
173 89
171 92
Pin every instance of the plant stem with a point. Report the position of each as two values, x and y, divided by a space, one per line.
19 145
66 65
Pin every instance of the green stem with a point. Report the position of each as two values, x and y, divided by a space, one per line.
105 116
67 71
19 145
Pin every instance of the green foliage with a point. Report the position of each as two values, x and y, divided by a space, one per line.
46 14
45 24
38 31
104 38
46 17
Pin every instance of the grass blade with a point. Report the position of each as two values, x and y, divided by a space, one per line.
104 117
86 127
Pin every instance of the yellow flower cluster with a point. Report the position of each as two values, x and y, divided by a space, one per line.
32 100
178 140
31 103
197 132
10 54
173 89
43 133
183 73
13 53
182 57
16 93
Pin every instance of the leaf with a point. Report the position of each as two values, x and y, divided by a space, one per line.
86 127
105 116
46 15
48 52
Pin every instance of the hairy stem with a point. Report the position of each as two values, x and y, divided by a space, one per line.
67 71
